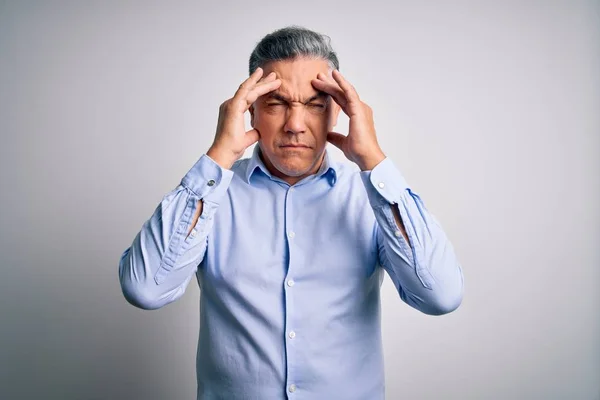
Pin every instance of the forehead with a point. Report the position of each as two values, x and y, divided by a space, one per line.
296 75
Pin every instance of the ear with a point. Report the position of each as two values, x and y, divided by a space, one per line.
251 109
334 114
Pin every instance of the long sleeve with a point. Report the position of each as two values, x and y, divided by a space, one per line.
425 271
156 269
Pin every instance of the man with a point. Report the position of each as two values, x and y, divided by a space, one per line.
289 246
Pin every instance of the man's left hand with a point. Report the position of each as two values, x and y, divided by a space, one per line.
360 145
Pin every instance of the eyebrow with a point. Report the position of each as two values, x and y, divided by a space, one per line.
280 97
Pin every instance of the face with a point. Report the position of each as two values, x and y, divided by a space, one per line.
293 120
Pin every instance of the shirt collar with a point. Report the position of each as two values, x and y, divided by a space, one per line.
328 168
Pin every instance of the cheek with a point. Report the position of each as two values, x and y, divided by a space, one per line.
319 126
268 121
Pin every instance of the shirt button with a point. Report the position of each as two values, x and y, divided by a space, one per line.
291 283
193 232
292 334
381 185
292 388
398 233
291 235
211 183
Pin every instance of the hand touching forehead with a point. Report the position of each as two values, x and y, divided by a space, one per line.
296 76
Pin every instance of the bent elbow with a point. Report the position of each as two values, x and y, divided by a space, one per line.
134 290
447 297
433 303
140 297
443 305
447 300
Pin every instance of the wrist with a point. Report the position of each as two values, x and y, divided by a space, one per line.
371 161
220 157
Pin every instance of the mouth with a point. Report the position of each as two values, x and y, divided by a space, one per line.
294 146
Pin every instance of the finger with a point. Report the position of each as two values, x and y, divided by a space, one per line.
250 81
267 78
329 79
337 139
348 89
332 89
261 89
352 104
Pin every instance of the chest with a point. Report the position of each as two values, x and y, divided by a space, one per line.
320 233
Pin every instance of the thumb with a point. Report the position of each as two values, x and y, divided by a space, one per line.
251 137
337 139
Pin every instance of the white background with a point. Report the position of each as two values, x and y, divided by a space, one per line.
490 109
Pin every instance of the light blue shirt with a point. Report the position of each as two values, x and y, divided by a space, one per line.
290 276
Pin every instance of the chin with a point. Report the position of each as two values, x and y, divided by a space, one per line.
293 170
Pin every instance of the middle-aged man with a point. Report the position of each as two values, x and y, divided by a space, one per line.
289 246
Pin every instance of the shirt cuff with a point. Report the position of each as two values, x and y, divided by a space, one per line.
384 183
207 179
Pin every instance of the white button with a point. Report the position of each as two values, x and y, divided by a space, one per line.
292 388
193 232
291 283
398 233
291 235
292 334
291 189
381 185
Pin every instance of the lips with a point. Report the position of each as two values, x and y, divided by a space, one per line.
295 146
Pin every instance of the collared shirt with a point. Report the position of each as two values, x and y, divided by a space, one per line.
290 276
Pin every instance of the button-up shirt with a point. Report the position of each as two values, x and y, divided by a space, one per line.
290 275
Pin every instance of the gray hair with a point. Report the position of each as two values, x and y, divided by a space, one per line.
292 42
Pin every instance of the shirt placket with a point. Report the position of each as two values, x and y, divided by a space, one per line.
289 289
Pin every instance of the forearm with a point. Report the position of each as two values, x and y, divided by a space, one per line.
422 264
195 217
156 269
413 248
399 222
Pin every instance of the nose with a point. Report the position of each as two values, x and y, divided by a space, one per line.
295 122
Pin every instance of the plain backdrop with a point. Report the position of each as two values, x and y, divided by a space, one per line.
490 109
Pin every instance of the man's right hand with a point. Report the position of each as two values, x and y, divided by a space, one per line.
231 138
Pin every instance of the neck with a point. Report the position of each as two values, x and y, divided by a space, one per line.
290 180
